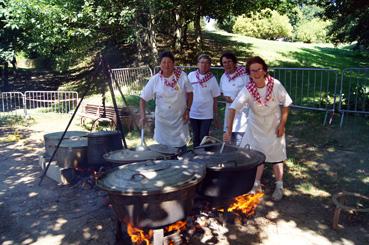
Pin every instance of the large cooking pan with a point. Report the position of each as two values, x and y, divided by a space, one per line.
228 174
125 156
152 194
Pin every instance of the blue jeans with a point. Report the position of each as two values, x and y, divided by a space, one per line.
200 129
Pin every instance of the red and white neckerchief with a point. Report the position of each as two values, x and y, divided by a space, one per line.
174 83
203 81
240 70
251 87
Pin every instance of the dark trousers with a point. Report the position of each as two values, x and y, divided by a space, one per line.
200 129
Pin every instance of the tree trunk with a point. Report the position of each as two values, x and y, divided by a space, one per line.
152 37
6 87
178 33
198 32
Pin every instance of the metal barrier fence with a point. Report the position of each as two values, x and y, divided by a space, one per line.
310 88
216 70
12 103
130 80
354 92
17 103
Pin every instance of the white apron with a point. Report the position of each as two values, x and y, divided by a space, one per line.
261 128
262 122
170 128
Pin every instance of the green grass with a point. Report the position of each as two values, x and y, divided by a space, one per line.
286 54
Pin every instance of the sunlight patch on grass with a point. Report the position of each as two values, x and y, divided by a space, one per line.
310 189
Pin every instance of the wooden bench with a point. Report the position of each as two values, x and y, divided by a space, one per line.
96 114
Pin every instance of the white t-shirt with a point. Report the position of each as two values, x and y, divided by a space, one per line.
231 88
170 128
203 96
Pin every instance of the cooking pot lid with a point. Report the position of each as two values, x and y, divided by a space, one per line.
68 134
163 149
102 133
74 143
152 177
125 156
242 158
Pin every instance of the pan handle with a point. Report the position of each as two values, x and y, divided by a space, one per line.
234 162
138 177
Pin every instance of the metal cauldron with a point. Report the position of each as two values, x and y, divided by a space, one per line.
152 194
101 142
228 174
72 153
125 156
52 139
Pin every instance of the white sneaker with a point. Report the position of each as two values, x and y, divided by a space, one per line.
277 194
255 189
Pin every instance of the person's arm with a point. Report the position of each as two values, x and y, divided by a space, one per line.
227 99
186 114
142 112
282 125
227 135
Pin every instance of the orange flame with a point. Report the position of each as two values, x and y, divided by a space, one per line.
179 225
138 236
246 203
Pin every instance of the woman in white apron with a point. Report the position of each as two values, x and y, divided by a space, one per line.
268 101
173 98
231 82
205 93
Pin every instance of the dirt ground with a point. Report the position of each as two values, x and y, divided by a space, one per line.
56 214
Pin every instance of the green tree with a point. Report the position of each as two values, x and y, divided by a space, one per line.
267 24
350 20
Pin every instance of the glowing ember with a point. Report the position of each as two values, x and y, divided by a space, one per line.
178 226
246 203
138 236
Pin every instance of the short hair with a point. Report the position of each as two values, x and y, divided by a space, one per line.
166 54
228 55
204 56
256 60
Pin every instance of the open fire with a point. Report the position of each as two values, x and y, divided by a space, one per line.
206 223
246 203
139 236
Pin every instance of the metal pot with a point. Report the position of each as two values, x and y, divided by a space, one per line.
99 143
72 153
172 152
152 194
126 156
228 174
52 139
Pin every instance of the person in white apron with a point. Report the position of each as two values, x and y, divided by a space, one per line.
268 101
173 98
205 93
231 82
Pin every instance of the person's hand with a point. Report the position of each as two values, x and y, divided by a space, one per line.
280 131
226 137
186 116
228 99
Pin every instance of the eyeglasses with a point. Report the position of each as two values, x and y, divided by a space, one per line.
256 70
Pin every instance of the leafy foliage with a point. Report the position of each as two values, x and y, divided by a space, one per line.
312 31
350 20
268 24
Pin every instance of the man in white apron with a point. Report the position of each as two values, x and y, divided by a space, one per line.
173 98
